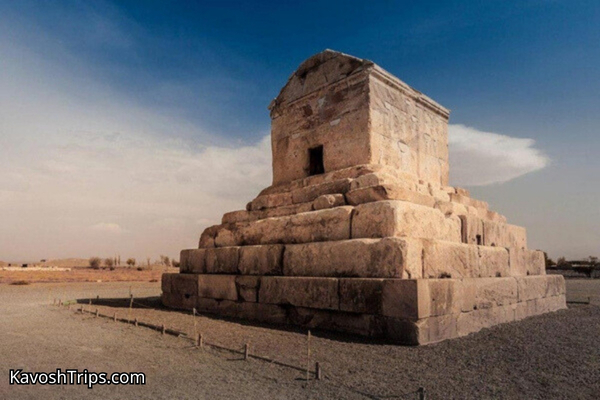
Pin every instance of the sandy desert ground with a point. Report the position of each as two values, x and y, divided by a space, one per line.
84 274
552 356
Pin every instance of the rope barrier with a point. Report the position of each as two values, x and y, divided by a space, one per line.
200 342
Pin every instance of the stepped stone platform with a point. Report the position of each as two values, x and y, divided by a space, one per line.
359 231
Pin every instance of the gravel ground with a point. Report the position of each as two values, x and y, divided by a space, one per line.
545 357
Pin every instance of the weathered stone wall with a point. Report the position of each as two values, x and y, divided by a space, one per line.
378 244
360 114
325 103
409 311
407 133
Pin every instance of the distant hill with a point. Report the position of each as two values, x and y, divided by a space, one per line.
65 263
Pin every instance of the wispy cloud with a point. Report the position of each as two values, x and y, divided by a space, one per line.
107 227
87 171
72 155
483 158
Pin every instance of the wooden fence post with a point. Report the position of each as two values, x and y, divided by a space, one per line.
318 371
308 357
194 321
130 306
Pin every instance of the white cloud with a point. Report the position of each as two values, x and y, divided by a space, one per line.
73 153
107 227
482 158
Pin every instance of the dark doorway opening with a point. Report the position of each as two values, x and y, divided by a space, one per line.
315 156
478 238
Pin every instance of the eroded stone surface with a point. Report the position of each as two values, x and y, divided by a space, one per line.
261 260
394 218
375 258
300 291
359 231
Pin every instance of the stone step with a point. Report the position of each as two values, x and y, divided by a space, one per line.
388 192
388 218
395 218
367 258
412 299
411 311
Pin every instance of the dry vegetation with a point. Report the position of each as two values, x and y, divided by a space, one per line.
87 274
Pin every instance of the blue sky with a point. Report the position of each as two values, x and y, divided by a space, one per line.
101 89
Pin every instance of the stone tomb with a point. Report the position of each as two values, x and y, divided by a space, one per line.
359 231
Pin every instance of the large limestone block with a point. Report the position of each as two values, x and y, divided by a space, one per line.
192 261
261 260
443 259
310 193
423 298
271 201
536 287
401 331
300 291
351 173
504 235
222 287
539 306
526 262
441 297
165 283
435 329
461 191
358 324
316 226
438 194
267 313
207 238
405 298
367 258
420 298
394 218
491 216
321 70
388 192
472 229
184 284
281 211
450 208
238 216
493 262
468 201
222 260
329 201
332 125
404 158
380 178
432 169
481 293
476 320
247 287
361 295
179 301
